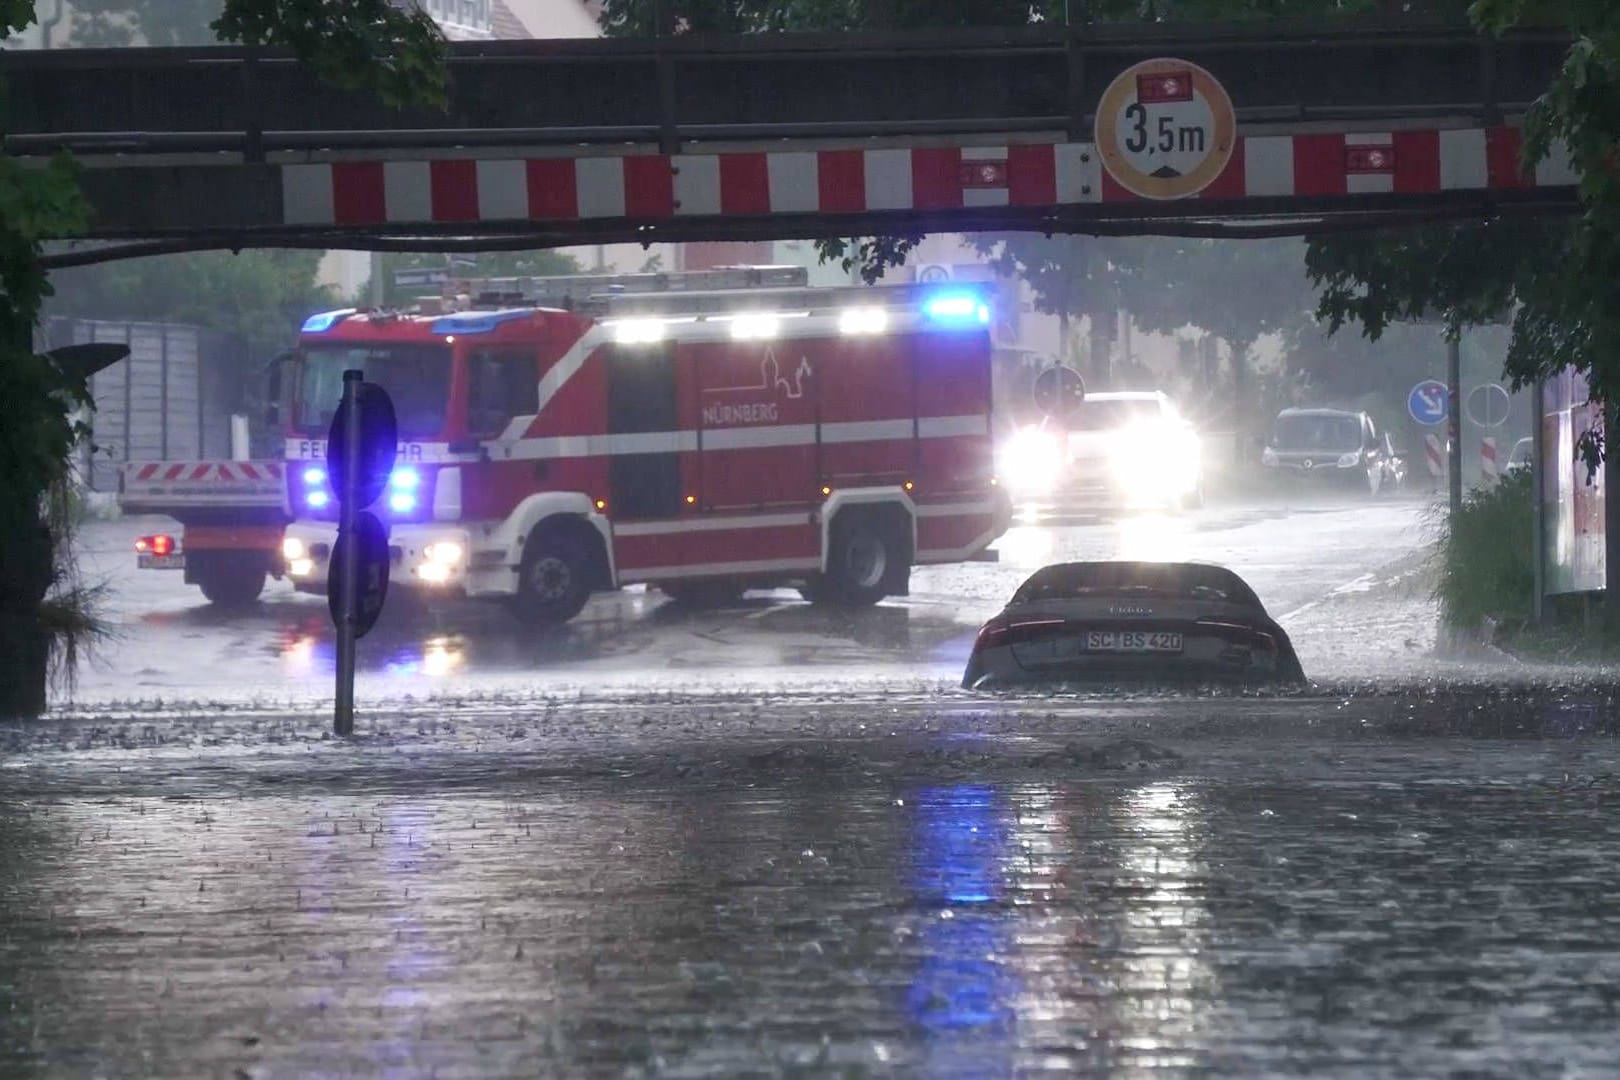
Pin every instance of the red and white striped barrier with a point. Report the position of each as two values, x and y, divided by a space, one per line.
1487 460
1435 456
808 179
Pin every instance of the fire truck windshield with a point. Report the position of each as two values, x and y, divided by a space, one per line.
417 377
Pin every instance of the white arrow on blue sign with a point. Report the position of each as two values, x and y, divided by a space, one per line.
1427 402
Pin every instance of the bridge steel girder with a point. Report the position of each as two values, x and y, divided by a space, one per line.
569 95
554 143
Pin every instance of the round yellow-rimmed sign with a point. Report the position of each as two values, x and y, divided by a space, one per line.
1165 129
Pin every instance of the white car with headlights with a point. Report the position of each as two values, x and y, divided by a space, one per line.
1126 447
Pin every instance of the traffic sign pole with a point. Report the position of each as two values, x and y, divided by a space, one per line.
1453 422
348 584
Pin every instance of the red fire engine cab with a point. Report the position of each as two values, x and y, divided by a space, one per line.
704 433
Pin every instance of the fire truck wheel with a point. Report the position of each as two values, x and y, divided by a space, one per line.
554 581
860 561
231 585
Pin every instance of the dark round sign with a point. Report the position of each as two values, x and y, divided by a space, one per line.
1059 392
371 568
379 444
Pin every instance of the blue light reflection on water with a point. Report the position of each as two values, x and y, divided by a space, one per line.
963 993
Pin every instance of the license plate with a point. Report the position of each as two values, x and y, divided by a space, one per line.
1132 641
161 562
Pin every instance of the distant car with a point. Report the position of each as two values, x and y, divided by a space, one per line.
1519 460
1117 448
1132 621
1328 446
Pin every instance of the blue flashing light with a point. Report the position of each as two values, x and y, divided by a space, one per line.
404 479
314 477
958 308
401 502
480 323
320 324
317 500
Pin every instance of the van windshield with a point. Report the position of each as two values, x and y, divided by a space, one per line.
1327 431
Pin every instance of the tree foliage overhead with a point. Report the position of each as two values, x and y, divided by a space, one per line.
358 44
634 18
101 23
255 296
393 51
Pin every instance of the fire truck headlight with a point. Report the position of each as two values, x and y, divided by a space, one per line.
1030 461
433 573
292 549
301 567
317 500
444 553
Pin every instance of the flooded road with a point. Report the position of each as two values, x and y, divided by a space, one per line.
1340 577
965 889
775 841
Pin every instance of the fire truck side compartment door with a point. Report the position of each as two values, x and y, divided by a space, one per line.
641 402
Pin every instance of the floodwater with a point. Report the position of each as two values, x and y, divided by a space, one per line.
1249 888
1338 576
770 841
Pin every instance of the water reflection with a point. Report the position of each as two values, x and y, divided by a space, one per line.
1164 928
1045 948
963 993
434 658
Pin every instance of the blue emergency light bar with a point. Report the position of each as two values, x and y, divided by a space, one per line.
958 307
481 323
320 324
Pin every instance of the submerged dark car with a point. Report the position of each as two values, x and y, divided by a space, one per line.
1132 622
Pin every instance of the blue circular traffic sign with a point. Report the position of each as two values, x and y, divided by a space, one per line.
1427 402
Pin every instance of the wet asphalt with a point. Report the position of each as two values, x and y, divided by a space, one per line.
811 856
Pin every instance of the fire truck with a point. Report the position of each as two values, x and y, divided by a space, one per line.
704 433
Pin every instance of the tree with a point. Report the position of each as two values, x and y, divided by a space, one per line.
634 18
1072 277
150 22
1560 279
358 44
253 296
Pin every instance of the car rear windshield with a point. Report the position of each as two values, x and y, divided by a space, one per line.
1109 415
1169 580
1325 432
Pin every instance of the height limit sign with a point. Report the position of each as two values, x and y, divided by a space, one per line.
1165 129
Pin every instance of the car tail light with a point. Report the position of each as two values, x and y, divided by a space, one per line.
1244 631
154 545
1002 631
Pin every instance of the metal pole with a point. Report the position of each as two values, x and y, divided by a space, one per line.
1538 540
1453 418
349 571
1611 522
